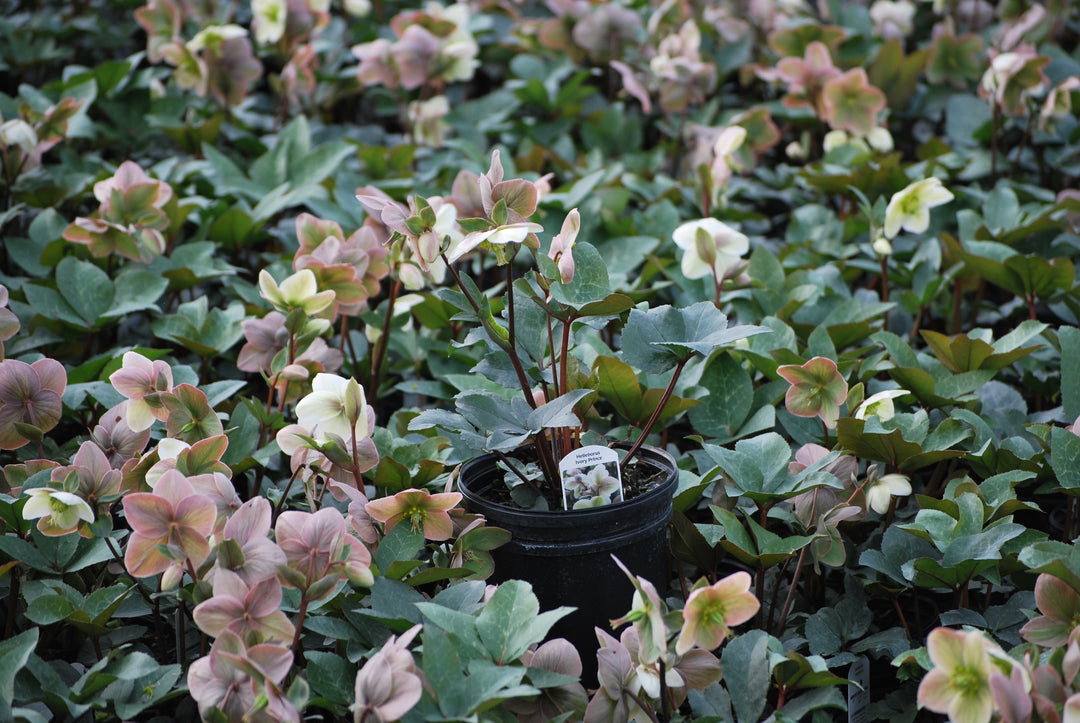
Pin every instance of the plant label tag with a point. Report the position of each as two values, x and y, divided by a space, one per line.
858 698
590 478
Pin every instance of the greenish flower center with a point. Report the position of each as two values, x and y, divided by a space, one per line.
965 681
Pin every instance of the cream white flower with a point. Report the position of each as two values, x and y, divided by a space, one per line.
909 209
727 143
710 246
358 8
215 36
335 406
511 233
880 404
893 19
60 512
17 132
880 491
269 20
300 290
881 140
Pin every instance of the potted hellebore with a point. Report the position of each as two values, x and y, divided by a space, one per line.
553 434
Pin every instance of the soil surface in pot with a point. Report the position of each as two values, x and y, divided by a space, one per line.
637 479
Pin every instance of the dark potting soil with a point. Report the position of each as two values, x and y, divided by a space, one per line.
637 478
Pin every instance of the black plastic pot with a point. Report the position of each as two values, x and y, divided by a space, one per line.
566 555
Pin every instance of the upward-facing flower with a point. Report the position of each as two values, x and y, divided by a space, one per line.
335 406
173 516
711 612
817 389
426 512
909 208
56 511
710 247
299 291
959 683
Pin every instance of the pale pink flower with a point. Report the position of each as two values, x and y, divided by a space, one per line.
251 612
173 516
143 382
712 611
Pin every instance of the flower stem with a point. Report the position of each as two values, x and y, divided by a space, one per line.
655 415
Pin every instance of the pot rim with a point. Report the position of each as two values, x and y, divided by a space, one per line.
655 456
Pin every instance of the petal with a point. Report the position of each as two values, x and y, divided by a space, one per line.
215 615
935 692
148 514
142 558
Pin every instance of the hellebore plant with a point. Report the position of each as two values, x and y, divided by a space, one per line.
533 325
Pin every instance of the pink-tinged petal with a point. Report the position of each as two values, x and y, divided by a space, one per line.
1011 698
325 527
265 597
699 669
276 626
558 656
227 584
142 557
438 526
935 692
148 514
251 521
1055 599
197 512
274 661
1045 631
946 648
51 375
174 487
215 615
191 543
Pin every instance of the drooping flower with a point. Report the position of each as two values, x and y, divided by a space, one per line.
710 246
234 677
57 512
249 611
893 18
712 611
387 686
879 405
560 657
143 382
817 389
29 395
879 491
426 512
91 478
909 208
116 437
562 246
647 618
318 548
959 683
249 529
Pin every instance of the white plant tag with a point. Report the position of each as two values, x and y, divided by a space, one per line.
590 477
859 698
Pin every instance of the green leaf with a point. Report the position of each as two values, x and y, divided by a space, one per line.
331 676
729 401
1065 457
746 669
402 543
591 282
618 384
510 622
1069 338
559 412
86 288
14 654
